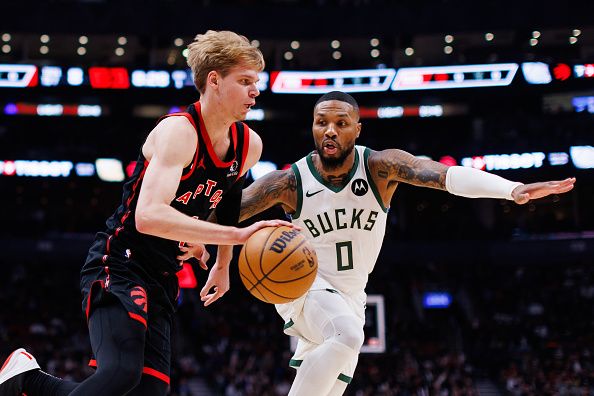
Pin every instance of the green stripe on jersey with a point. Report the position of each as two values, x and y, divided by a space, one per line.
319 177
288 324
297 213
295 362
345 378
378 197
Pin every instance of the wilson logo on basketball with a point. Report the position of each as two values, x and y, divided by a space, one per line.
139 297
280 243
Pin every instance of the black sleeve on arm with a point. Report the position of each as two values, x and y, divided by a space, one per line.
227 211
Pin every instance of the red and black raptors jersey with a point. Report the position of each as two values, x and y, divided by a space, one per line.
202 187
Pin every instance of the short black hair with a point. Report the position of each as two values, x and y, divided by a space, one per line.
340 96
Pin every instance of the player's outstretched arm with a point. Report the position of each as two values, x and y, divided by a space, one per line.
393 166
276 187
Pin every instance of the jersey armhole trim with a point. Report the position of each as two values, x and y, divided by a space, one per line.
191 119
297 213
246 149
206 139
181 114
374 188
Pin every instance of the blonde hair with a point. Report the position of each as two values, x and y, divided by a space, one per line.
221 51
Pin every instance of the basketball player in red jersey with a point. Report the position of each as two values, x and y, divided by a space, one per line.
191 165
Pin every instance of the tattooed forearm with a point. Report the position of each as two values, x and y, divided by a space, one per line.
401 166
276 187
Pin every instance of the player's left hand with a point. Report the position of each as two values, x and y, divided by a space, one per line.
524 193
218 278
198 251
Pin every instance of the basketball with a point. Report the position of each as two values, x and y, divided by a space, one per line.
277 264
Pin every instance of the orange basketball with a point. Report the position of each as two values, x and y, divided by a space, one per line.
277 264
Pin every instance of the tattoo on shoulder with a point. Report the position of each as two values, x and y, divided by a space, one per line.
277 185
266 192
411 170
291 181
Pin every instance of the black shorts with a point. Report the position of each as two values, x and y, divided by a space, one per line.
113 283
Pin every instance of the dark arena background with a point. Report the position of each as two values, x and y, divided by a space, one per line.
480 297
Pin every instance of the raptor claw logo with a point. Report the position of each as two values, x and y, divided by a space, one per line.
139 297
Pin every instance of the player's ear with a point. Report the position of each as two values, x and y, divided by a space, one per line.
358 129
212 78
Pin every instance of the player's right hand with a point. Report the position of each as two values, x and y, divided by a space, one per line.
246 232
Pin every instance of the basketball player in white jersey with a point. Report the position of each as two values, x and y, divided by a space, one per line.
339 194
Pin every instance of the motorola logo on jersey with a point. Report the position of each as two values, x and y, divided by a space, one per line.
359 187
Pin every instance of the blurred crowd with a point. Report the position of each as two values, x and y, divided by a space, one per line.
525 329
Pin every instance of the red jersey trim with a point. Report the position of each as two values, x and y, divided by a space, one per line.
145 370
187 115
246 148
191 119
90 296
156 374
213 156
133 193
138 318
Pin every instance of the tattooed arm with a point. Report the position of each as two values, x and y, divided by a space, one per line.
277 187
393 166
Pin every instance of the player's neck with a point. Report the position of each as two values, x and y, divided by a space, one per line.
216 122
336 176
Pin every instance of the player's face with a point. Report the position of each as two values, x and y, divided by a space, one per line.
335 128
238 91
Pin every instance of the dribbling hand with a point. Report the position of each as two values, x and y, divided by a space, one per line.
248 231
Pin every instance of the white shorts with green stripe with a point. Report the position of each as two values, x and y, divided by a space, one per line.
307 317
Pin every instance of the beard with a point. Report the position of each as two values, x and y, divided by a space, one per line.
332 163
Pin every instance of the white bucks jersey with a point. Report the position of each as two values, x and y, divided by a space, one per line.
345 225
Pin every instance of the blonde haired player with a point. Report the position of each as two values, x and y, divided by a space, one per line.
191 165
339 194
